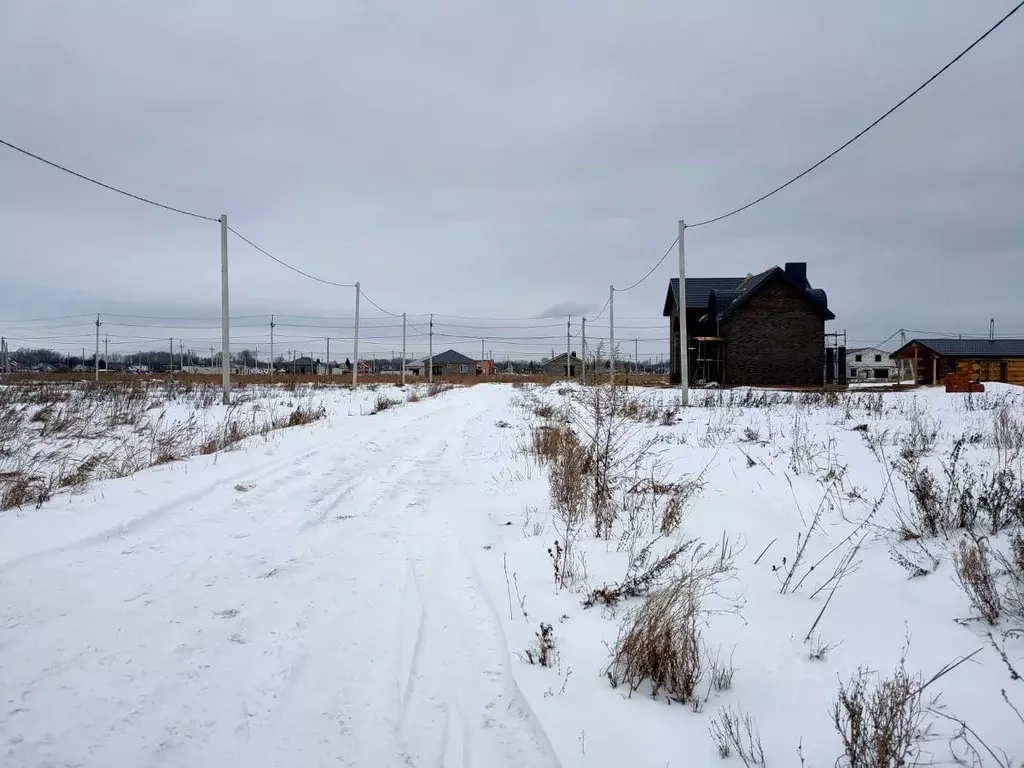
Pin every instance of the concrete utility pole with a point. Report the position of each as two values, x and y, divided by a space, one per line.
482 358
355 343
403 349
583 351
636 356
170 360
684 363
181 357
106 348
611 334
225 322
97 360
568 348
430 356
3 354
992 329
271 346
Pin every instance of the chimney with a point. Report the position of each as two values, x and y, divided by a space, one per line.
797 270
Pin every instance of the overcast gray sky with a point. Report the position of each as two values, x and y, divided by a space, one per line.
493 159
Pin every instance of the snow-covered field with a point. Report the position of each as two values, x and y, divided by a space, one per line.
367 590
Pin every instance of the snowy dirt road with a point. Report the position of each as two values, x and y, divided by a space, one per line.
317 606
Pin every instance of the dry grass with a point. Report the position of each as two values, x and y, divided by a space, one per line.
382 404
661 645
879 720
660 641
61 436
976 578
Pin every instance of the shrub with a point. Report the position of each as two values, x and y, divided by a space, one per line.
641 576
438 387
660 643
975 576
736 730
306 415
878 724
542 651
382 403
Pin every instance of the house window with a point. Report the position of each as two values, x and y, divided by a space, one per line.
951 364
881 373
463 369
878 358
853 373
857 358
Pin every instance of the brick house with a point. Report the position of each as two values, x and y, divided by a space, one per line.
556 366
766 329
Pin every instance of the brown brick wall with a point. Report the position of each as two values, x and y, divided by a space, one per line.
775 339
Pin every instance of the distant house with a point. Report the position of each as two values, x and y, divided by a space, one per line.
557 366
300 365
448 363
869 363
985 359
766 329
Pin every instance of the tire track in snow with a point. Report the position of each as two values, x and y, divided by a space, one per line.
462 664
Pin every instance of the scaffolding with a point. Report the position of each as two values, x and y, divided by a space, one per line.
708 366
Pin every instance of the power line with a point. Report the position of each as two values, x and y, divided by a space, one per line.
651 271
98 183
884 115
269 255
378 306
606 303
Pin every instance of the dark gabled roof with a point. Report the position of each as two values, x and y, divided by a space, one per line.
969 347
302 361
730 293
750 286
451 356
698 289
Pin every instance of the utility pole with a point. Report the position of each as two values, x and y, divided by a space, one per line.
992 329
568 348
636 356
3 354
181 357
403 349
328 361
97 360
482 358
355 345
583 349
225 330
271 346
106 348
611 334
430 369
170 360
684 363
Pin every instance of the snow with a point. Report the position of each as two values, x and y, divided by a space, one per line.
336 594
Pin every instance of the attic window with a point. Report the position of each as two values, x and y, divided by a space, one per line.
878 358
857 358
